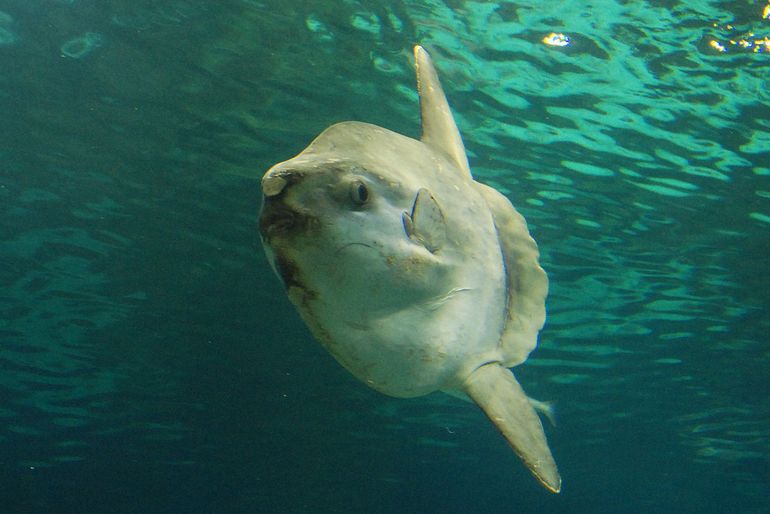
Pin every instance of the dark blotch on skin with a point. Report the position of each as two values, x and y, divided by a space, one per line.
289 272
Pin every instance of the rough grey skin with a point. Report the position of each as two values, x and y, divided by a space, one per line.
415 277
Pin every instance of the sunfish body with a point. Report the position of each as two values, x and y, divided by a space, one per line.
415 277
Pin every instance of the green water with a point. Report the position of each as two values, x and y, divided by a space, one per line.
150 362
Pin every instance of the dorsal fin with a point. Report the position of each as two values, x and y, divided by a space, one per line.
438 126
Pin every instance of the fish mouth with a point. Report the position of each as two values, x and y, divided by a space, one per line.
277 221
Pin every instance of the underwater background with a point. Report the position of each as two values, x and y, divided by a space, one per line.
151 362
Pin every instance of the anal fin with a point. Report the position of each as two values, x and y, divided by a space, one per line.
494 388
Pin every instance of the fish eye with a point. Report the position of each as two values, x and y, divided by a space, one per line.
359 193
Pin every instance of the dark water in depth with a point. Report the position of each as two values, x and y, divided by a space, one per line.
150 362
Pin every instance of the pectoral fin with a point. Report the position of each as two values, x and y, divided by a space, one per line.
502 399
425 225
